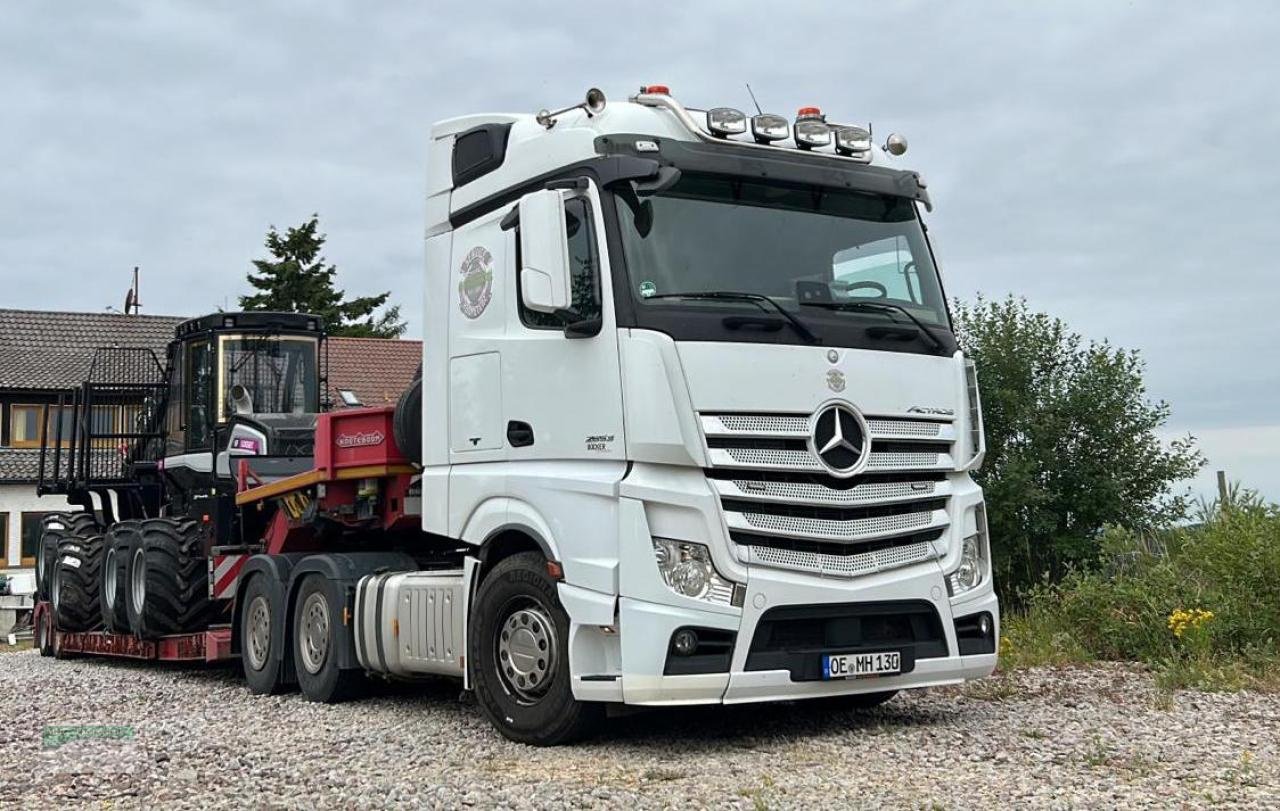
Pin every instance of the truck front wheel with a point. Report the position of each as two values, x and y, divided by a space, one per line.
519 654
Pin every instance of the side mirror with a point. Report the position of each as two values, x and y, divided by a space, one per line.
545 277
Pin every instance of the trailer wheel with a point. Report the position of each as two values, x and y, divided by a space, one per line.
259 640
317 633
167 577
519 654
44 633
116 545
76 578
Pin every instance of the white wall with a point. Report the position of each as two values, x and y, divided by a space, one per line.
15 499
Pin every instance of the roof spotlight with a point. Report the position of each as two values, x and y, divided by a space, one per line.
726 121
810 133
852 139
767 127
895 144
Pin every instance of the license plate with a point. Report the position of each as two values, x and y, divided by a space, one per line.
858 665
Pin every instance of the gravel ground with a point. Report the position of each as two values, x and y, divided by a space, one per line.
1098 737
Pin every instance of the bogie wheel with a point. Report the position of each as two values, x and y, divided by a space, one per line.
117 544
166 575
260 636
53 528
519 655
76 578
318 632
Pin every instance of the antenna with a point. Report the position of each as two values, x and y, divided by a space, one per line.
131 302
753 99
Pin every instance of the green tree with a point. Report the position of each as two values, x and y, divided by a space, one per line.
1071 442
296 279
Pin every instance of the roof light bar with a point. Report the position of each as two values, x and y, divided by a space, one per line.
810 133
852 139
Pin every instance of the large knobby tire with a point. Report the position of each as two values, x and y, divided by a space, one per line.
260 637
519 655
53 527
168 579
76 579
406 423
317 634
116 546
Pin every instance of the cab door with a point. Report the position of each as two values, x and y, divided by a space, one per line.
561 393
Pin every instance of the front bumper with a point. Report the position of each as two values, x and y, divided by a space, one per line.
645 628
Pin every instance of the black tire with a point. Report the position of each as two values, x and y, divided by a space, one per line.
116 546
317 634
538 709
76 579
44 633
406 423
262 601
168 579
859 701
53 527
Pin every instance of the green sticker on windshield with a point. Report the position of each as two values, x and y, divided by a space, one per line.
648 289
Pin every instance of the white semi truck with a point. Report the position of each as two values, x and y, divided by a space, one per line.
692 428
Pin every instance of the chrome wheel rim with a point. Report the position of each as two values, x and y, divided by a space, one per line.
109 585
257 644
138 580
314 639
526 648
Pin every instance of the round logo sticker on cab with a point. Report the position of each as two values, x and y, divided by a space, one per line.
475 290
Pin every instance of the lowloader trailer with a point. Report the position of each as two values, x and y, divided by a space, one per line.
692 427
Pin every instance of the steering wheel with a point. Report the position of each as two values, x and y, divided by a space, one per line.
881 290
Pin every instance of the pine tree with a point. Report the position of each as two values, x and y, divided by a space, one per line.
296 279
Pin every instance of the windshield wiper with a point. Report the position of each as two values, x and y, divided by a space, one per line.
878 306
724 295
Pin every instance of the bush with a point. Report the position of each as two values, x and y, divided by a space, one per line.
1201 603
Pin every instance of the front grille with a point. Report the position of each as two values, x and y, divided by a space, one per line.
784 509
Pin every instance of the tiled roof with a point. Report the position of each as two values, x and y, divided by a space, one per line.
378 370
52 350
19 464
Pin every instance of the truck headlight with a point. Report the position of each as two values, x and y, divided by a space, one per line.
968 575
687 570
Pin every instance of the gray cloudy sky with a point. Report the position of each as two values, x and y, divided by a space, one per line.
1116 163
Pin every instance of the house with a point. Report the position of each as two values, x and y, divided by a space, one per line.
44 354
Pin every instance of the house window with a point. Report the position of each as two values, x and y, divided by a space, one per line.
4 540
349 397
24 425
31 526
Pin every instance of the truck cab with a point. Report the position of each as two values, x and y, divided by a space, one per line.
703 363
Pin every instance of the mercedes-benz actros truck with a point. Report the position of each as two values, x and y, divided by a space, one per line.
692 427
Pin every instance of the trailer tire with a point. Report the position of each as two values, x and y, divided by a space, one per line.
516 616
76 579
317 630
117 544
406 422
168 582
259 641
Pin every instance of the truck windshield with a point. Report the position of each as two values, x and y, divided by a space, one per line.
796 244
280 374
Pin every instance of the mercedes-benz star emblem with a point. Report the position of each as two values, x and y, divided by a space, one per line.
838 437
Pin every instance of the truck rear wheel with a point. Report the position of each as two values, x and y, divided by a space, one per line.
76 578
259 639
117 544
167 576
519 655
317 634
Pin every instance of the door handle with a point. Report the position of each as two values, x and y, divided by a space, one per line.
519 434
